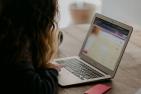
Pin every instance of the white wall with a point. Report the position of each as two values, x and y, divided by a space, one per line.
128 11
65 18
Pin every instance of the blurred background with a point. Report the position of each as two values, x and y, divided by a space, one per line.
82 11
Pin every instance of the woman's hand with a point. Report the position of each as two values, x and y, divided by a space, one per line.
55 66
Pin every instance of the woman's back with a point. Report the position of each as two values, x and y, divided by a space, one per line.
28 43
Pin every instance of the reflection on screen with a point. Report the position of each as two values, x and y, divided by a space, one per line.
105 43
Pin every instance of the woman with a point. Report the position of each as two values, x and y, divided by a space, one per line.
28 43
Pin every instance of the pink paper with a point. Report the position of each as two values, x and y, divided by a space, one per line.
98 89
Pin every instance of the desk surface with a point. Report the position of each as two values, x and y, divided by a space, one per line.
128 76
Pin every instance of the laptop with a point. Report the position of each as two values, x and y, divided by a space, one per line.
100 54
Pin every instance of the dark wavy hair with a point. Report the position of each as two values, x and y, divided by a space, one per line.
27 30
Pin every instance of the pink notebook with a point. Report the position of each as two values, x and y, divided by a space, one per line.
98 89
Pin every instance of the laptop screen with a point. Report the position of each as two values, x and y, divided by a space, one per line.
105 43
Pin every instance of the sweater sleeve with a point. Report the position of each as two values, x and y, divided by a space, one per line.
30 81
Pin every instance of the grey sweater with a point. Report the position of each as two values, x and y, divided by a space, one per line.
22 78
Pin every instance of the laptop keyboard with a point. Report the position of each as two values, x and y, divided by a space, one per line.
80 69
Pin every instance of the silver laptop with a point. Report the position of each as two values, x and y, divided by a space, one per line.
100 54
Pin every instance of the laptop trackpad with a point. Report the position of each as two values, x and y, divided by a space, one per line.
67 78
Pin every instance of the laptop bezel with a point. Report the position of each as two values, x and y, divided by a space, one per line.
93 62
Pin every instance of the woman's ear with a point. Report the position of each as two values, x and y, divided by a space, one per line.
60 37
